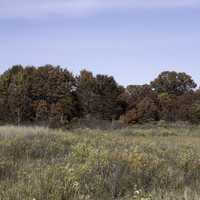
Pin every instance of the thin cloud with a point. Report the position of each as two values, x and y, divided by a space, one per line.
76 8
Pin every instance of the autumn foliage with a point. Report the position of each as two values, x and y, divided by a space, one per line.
51 95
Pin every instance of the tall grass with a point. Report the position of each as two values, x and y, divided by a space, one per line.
156 162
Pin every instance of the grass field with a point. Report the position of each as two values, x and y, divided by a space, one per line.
140 163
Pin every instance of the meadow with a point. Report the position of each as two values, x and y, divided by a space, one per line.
143 162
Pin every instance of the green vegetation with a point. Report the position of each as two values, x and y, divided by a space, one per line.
160 161
52 96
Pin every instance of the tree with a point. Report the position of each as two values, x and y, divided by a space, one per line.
55 86
30 94
4 84
57 115
16 93
173 83
41 111
168 107
141 104
193 107
53 96
106 97
185 106
98 95
86 92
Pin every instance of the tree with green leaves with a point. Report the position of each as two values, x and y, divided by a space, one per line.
173 83
98 95
107 92
86 85
16 93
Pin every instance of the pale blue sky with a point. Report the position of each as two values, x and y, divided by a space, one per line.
133 40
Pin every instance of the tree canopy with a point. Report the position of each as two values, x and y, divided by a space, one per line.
52 95
173 83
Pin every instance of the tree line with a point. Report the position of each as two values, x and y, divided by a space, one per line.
53 96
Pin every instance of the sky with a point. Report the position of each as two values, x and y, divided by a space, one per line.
133 40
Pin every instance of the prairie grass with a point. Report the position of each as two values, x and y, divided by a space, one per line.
144 162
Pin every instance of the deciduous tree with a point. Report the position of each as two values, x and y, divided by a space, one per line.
173 83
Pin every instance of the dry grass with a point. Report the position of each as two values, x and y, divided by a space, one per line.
156 162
